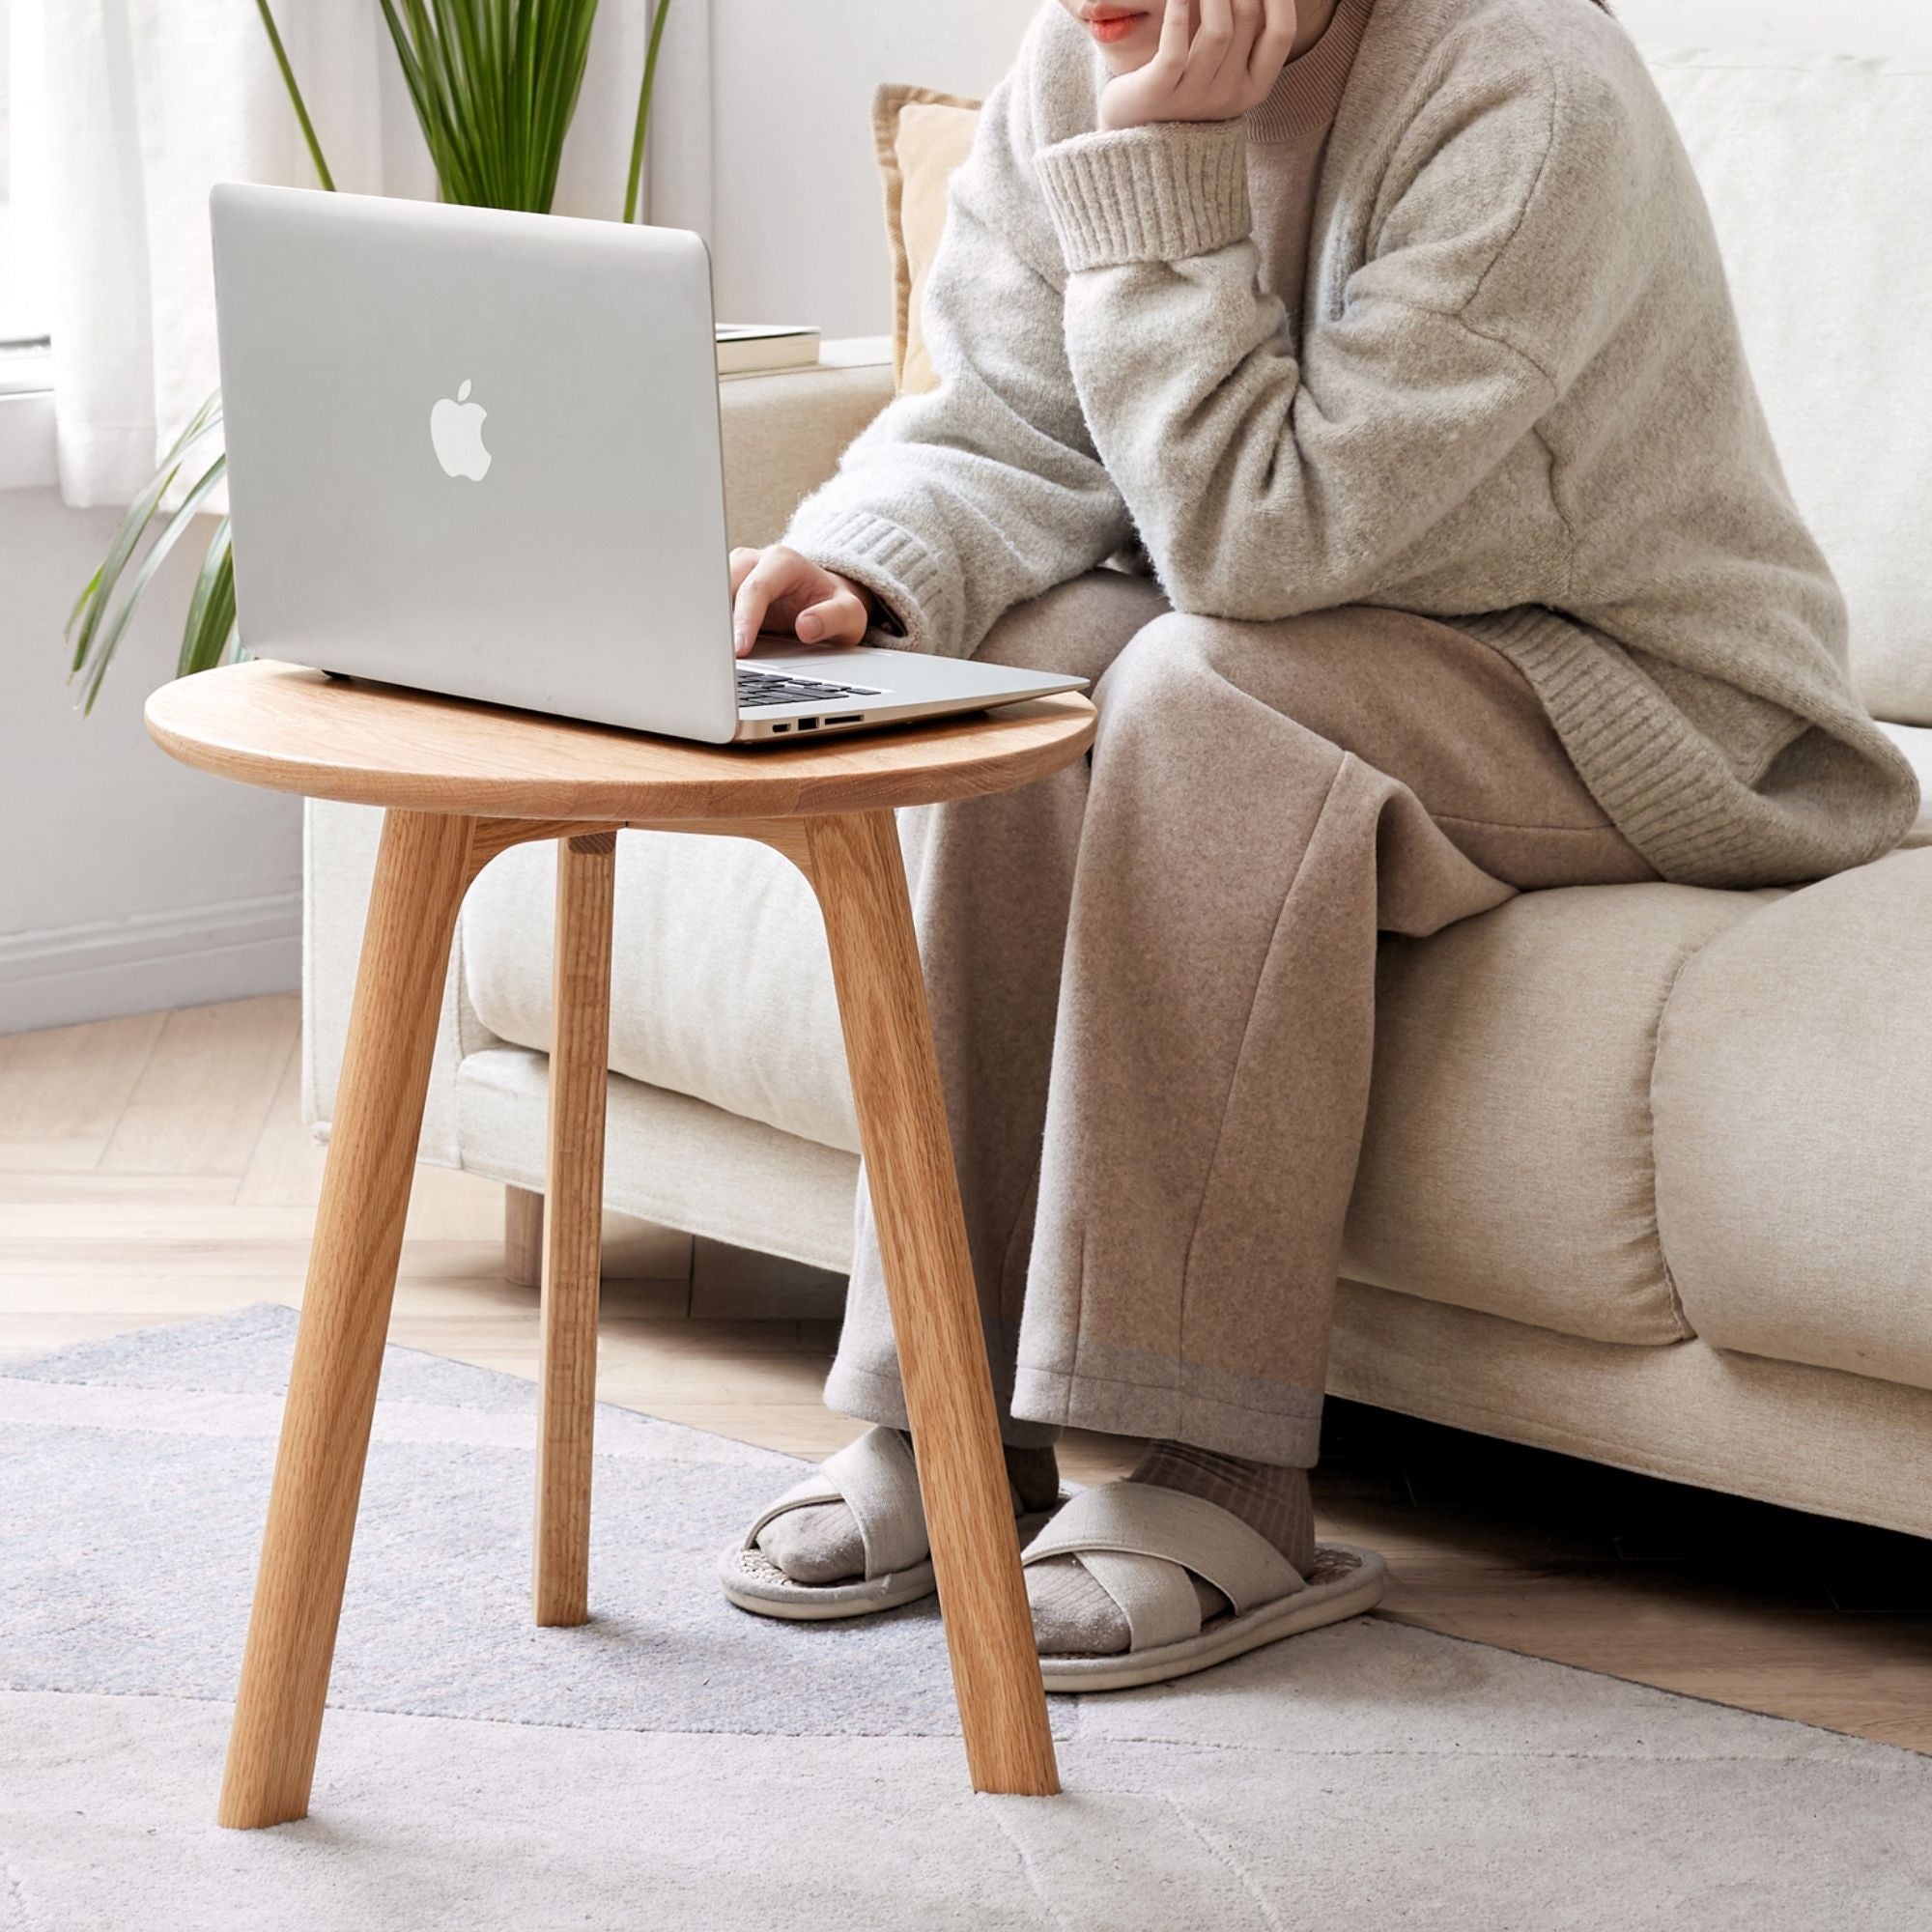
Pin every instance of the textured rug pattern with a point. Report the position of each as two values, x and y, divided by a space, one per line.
145 1588
677 1764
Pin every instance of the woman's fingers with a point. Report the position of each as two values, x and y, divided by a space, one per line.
1176 33
775 572
1217 58
776 589
1238 82
747 615
837 619
1280 21
1246 28
1212 39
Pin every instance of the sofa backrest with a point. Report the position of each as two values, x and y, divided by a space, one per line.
1818 169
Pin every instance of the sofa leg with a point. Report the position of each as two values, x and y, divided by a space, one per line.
523 1236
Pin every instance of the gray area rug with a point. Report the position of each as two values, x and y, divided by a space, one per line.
675 1764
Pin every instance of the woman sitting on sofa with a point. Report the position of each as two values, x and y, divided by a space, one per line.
1349 389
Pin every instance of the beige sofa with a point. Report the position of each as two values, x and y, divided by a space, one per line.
1646 1175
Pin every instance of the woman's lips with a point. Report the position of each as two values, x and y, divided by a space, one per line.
1108 26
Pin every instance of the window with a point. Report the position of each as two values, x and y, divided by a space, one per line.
24 311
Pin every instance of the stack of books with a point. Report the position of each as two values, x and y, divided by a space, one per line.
746 345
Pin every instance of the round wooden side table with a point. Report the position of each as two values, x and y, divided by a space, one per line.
459 784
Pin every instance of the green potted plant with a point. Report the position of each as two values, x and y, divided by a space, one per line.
495 84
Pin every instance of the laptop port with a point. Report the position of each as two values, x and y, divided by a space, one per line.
776 729
808 723
850 718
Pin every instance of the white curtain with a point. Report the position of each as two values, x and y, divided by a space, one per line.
148 102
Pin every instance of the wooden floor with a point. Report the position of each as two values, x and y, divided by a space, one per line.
156 1170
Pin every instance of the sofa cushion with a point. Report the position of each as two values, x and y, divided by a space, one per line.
1507 1162
1818 170
920 137
1806 1438
720 982
1794 1128
668 1158
783 430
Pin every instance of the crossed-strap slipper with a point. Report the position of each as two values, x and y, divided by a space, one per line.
875 1478
1139 1542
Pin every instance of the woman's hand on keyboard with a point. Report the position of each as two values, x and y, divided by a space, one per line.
776 589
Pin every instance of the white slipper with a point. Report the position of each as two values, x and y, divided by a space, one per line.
876 1480
1139 1542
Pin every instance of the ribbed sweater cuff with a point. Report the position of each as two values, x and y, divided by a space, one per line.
888 559
1159 193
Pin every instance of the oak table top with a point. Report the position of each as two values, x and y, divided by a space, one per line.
293 729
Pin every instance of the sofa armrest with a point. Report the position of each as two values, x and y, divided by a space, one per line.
1792 1108
784 432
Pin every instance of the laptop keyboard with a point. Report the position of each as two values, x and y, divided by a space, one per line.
763 687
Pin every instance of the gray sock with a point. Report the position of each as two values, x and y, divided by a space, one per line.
1073 1616
822 1545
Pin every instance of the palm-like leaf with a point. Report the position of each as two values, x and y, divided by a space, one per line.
493 83
296 100
210 631
99 617
641 127
115 625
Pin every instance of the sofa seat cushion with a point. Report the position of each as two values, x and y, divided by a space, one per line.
668 1158
1507 1163
720 986
1794 1128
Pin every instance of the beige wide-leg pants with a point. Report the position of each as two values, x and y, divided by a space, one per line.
1153 983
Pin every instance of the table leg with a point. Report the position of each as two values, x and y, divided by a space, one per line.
572 1223
420 875
855 869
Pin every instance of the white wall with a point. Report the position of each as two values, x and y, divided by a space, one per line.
798 232
128 882
797 228
1822 26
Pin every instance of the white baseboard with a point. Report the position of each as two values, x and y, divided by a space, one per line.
193 956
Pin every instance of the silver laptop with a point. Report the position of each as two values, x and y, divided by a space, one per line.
477 453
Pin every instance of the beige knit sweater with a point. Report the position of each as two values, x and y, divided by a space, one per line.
1516 398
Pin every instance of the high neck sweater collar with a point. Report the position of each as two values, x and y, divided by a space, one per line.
1302 106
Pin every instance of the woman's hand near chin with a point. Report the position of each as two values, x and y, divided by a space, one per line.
776 589
1211 72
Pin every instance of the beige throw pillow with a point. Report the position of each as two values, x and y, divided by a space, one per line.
921 137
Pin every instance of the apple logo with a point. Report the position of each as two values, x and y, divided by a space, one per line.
456 433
